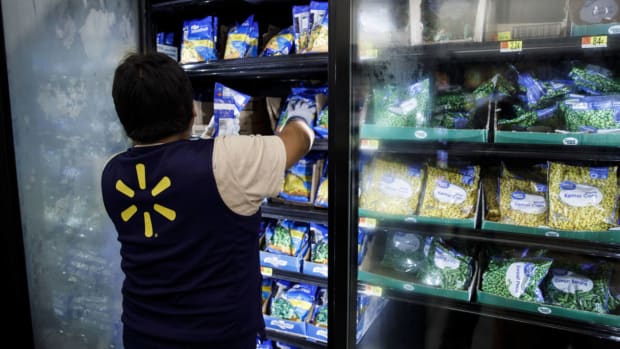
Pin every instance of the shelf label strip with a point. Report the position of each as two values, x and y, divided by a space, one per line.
371 290
266 271
365 222
511 46
369 144
598 41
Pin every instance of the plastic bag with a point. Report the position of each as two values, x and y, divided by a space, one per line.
288 238
319 27
322 123
523 202
581 286
319 315
592 113
238 39
199 38
227 106
320 243
404 252
581 198
294 303
298 180
517 278
301 25
447 268
450 193
410 107
322 193
391 186
280 44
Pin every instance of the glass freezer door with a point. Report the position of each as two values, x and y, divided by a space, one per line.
486 148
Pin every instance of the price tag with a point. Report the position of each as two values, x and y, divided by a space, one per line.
367 222
369 144
372 290
511 46
368 53
266 271
504 36
594 41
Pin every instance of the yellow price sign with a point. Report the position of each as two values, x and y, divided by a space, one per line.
367 222
369 144
511 46
372 290
594 41
266 271
504 36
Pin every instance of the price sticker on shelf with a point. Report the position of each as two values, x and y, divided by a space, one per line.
599 41
504 36
369 223
266 271
368 53
369 144
511 46
371 290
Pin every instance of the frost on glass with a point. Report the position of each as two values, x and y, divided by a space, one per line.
61 56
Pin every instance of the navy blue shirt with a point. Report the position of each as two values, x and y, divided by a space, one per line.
191 264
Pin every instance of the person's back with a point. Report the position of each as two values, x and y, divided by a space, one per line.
187 214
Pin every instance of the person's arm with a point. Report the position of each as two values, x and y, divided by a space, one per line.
297 137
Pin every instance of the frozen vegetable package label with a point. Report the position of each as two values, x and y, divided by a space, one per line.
518 277
445 260
447 192
572 283
579 195
395 187
527 203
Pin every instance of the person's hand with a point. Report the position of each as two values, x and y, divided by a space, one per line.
301 108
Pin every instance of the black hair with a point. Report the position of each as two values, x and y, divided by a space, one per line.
153 97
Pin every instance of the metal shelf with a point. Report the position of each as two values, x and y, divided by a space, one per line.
296 340
582 247
298 277
296 213
490 50
261 67
599 331
176 4
502 151
320 144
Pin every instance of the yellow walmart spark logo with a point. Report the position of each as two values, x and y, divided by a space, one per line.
130 211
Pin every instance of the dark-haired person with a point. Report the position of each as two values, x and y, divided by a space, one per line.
187 213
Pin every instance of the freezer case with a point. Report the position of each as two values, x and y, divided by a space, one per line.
480 141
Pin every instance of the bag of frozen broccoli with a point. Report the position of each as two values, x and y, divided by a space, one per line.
287 237
320 243
293 303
